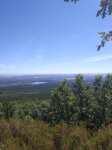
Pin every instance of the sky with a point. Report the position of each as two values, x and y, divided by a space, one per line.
51 36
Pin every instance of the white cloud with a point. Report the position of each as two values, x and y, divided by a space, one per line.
99 58
93 59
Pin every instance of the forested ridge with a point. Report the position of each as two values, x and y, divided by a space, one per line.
76 117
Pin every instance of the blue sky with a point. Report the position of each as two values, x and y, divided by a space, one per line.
51 36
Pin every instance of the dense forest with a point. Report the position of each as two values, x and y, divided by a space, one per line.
75 118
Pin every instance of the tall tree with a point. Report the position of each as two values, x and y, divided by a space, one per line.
79 90
97 92
60 104
107 98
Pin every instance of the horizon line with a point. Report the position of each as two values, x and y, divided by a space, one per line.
27 74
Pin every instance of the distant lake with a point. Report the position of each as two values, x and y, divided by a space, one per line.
37 83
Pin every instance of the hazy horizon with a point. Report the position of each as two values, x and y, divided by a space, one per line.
53 74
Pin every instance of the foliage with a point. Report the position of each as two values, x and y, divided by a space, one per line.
82 103
7 109
71 1
28 134
61 104
105 9
75 118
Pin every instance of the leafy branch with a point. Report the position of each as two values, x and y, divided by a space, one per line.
105 9
105 37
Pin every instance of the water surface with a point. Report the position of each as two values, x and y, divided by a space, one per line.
37 83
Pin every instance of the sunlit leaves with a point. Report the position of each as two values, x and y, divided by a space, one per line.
105 37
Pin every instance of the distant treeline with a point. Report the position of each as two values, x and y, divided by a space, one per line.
80 104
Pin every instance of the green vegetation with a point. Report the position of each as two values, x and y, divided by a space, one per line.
22 93
28 134
75 118
90 104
